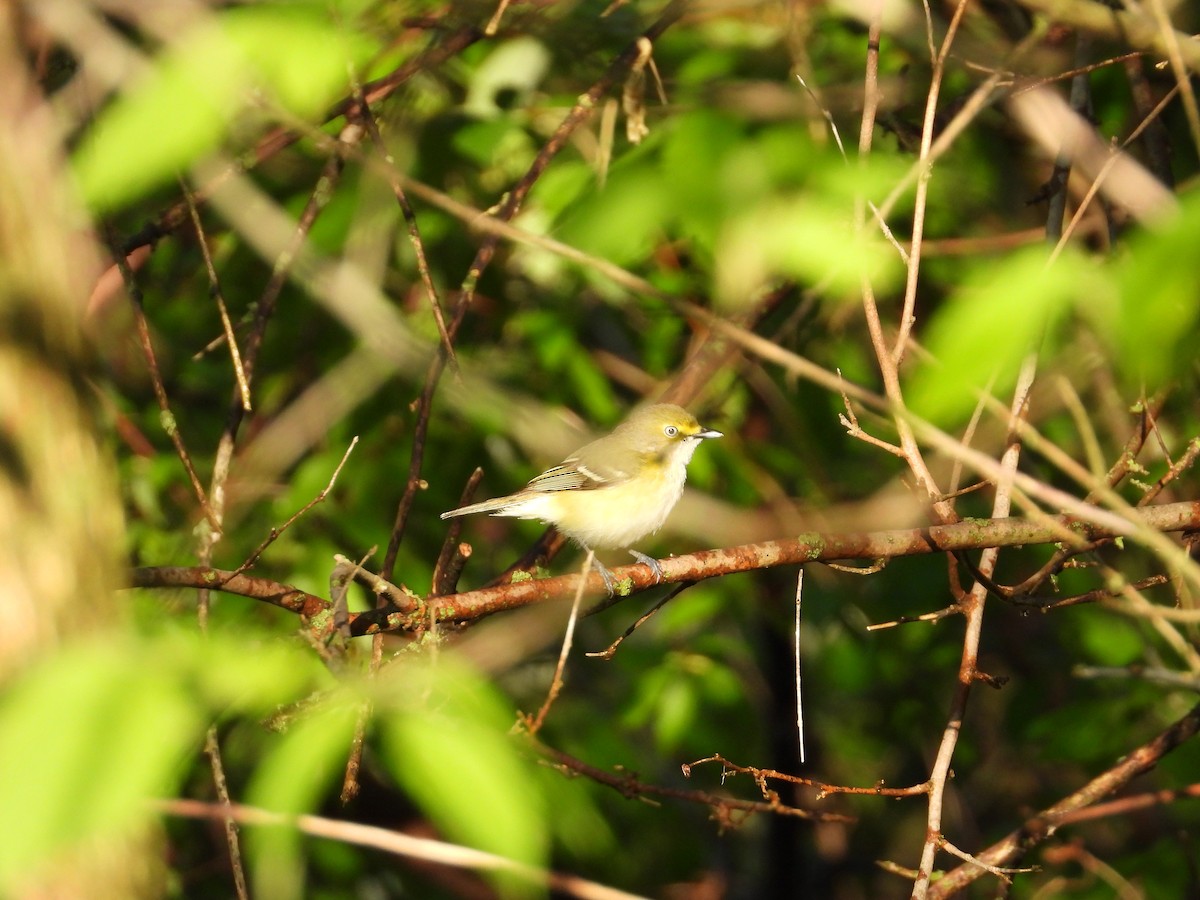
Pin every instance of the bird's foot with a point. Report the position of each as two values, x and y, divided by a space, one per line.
602 569
649 562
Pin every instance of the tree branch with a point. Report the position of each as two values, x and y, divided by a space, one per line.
406 610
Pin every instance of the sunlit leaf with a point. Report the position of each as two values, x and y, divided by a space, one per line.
981 334
1155 325
292 777
800 238
192 95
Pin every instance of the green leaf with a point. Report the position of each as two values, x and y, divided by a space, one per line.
86 737
193 94
802 237
1154 326
621 221
292 777
1111 640
980 336
452 752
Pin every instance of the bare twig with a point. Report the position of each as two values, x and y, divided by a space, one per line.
1166 677
410 218
907 316
400 844
888 359
224 810
1105 170
973 607
214 282
611 650
1000 873
169 423
1040 826
453 556
796 658
724 809
277 532
762 776
534 725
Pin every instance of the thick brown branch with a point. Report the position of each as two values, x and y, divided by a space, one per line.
969 534
405 610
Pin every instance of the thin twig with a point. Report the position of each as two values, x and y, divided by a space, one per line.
277 532
410 218
1188 681
534 725
400 844
212 749
723 808
214 283
611 650
797 659
973 607
887 360
762 776
1105 170
451 556
907 315
167 418
1000 873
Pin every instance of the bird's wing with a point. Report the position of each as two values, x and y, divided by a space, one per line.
574 475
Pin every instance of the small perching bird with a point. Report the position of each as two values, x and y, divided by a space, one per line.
614 491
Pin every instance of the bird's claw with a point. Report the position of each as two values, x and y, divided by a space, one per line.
650 563
609 584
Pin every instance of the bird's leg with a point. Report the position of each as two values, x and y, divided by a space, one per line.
609 584
649 562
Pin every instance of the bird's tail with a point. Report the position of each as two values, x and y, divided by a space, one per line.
496 507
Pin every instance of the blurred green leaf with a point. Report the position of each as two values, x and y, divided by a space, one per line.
998 316
621 221
1155 325
802 238
193 94
448 745
1110 640
99 728
86 737
291 777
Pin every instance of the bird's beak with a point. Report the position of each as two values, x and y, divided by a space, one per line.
707 433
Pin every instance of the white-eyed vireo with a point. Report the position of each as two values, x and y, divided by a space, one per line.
615 490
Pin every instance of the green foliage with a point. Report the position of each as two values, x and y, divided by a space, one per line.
1154 326
291 52
1001 315
125 714
739 188
453 754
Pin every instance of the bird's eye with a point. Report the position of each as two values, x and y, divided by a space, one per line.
670 431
